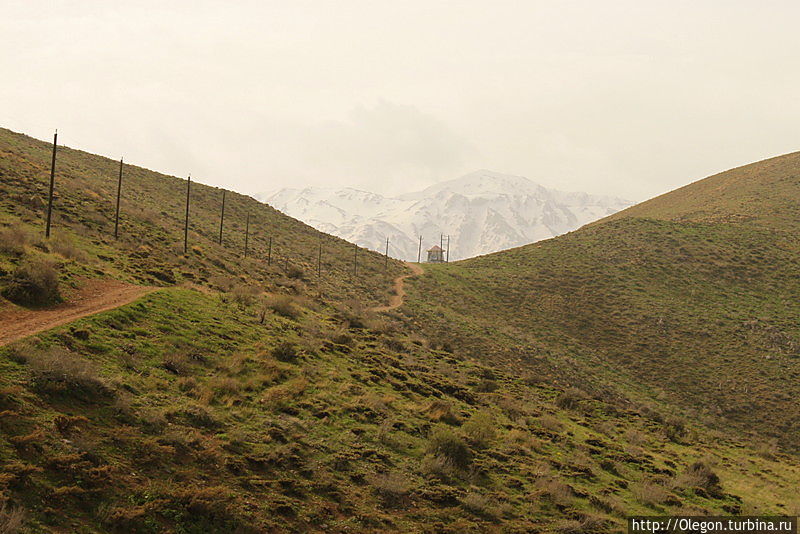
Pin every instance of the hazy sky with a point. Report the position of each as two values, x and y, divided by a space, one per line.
630 98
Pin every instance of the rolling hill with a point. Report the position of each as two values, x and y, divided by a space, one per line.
555 387
691 297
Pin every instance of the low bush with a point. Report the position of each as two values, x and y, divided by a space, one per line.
480 429
571 399
282 305
650 493
445 443
13 240
286 351
392 488
675 429
58 371
480 505
34 283
700 475
64 246
442 411
244 295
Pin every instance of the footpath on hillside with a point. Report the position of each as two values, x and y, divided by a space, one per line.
95 297
398 286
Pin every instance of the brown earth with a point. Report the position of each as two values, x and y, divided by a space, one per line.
94 297
396 300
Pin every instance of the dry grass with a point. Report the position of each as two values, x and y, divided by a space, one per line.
58 371
393 488
13 239
12 519
282 305
34 283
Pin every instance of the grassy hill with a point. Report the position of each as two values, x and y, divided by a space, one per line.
678 299
150 248
511 393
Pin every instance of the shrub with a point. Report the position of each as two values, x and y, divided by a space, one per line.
295 273
480 505
550 422
700 475
177 364
59 371
34 283
283 305
675 428
244 295
392 488
447 444
571 399
442 411
438 466
13 240
286 352
556 491
487 385
480 429
64 246
649 493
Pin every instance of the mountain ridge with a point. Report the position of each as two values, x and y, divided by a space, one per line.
482 212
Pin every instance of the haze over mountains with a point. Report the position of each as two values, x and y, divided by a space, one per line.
482 212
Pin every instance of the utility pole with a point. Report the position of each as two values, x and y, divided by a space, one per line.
269 252
386 259
441 241
246 234
186 224
448 250
319 260
222 216
119 195
52 186
419 252
355 261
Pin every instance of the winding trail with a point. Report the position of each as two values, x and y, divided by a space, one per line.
397 300
94 297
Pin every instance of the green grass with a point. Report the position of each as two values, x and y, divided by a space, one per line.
544 388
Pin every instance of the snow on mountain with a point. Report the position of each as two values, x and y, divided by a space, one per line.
482 212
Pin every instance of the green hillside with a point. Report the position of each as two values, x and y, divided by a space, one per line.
553 388
150 248
680 300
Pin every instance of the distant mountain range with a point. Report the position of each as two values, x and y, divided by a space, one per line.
482 212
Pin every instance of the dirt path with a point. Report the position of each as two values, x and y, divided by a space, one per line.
95 297
396 300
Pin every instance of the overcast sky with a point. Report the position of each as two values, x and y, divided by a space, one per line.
631 98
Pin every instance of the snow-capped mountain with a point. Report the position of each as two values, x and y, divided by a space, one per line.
482 212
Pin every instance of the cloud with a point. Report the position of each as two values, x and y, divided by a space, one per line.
387 141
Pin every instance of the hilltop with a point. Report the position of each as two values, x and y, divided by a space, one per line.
501 395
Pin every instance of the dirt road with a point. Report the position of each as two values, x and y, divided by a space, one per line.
396 300
95 297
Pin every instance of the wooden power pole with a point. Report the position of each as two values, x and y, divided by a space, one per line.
222 216
355 260
386 258
119 196
52 186
186 223
319 260
246 234
448 250
419 252
269 251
